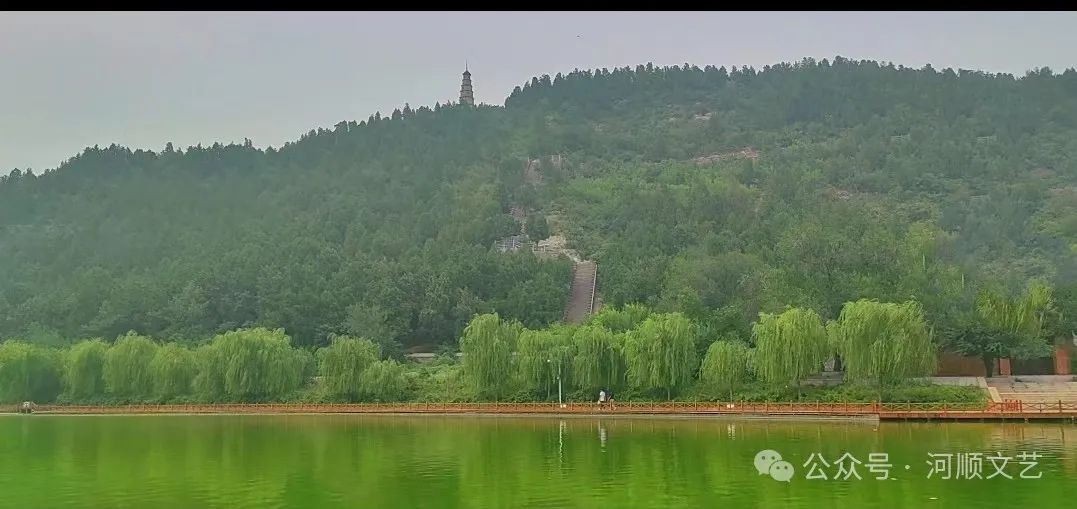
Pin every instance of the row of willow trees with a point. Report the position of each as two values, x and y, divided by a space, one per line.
658 354
245 365
878 345
650 354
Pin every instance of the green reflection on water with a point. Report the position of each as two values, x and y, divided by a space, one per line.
504 462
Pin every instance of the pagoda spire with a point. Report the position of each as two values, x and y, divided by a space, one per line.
467 95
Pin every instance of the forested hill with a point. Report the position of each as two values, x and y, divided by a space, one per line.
720 193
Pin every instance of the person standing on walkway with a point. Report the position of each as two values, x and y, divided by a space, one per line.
601 398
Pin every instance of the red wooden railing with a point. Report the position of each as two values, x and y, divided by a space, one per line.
884 410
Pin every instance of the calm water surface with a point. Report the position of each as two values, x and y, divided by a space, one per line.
510 462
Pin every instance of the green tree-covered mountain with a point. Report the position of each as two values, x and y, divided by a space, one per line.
719 193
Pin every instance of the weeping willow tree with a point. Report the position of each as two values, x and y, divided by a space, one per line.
883 343
306 363
127 366
540 354
1010 327
661 353
626 318
532 354
789 347
487 346
29 372
598 362
249 365
84 370
211 365
1024 316
173 369
727 364
342 364
383 381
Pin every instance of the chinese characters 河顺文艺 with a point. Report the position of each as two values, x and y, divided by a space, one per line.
962 465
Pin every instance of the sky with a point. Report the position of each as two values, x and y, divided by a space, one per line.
72 80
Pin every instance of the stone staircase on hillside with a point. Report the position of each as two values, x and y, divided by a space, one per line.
517 212
581 301
532 173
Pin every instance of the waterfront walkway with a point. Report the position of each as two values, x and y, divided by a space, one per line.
1007 410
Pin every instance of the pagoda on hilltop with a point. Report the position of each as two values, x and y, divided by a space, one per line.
467 95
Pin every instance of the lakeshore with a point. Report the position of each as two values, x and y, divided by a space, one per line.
1008 411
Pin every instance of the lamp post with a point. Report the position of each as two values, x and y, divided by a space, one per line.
559 401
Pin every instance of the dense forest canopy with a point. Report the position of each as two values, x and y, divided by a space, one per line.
716 193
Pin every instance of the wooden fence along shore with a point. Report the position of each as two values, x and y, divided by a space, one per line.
1005 410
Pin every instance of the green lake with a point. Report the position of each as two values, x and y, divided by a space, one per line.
384 462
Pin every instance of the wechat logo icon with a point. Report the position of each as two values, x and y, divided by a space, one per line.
769 462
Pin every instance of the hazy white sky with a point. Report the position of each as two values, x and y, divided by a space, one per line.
71 80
